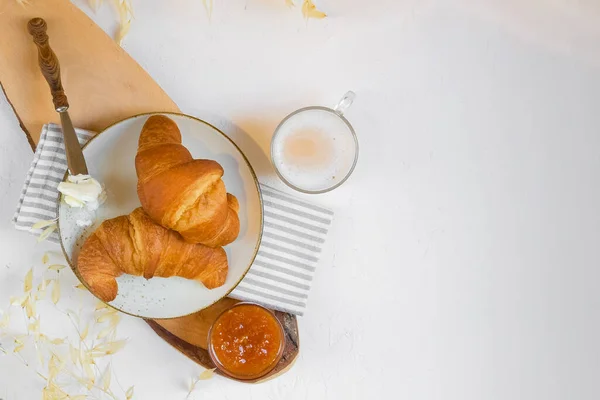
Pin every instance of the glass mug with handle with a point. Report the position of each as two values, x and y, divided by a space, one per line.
315 149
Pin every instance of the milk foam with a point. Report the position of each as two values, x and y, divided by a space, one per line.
314 150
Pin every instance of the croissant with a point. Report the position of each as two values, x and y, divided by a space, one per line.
134 244
182 193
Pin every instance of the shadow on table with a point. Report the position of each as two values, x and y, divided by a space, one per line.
251 135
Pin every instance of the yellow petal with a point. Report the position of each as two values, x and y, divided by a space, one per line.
85 332
56 292
57 341
29 306
89 372
43 224
125 15
74 354
129 393
100 305
290 3
28 281
108 348
104 332
309 10
47 232
53 368
5 321
106 378
192 386
41 289
81 286
206 374
208 6
35 326
39 355
104 317
18 301
18 348
56 267
45 258
114 320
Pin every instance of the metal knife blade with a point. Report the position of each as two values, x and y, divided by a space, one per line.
75 159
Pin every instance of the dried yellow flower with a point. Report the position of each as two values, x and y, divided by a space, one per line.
18 301
39 355
47 232
208 6
56 292
5 321
74 354
106 378
105 349
44 224
56 267
107 316
309 10
125 16
85 332
104 332
89 372
30 306
53 368
207 374
114 320
28 284
34 326
41 289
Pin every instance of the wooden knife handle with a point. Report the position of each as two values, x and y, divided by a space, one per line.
48 63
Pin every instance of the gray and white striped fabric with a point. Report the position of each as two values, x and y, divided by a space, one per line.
47 170
293 237
294 233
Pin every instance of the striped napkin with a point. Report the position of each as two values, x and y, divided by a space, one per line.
294 230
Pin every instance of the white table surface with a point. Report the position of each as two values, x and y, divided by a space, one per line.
464 260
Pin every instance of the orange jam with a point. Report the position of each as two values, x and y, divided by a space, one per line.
246 341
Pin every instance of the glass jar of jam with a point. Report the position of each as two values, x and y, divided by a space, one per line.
246 341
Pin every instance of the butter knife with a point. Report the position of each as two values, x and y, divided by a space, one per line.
51 71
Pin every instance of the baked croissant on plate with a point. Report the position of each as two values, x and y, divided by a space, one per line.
182 193
134 244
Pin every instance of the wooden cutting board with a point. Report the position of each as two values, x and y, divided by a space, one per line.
103 85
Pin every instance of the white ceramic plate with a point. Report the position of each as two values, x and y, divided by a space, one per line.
110 158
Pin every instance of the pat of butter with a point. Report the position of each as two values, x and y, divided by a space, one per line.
82 191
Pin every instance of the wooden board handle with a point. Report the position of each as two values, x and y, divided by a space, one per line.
48 63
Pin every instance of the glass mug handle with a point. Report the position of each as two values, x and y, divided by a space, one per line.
345 103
